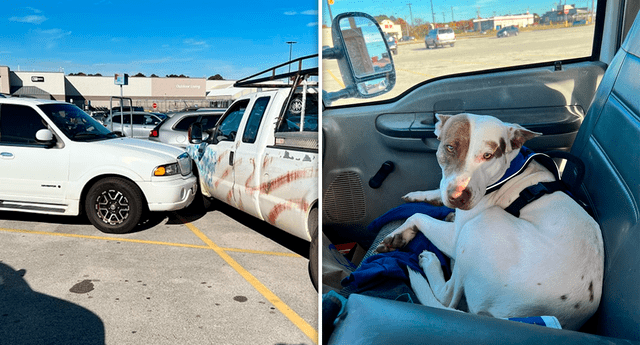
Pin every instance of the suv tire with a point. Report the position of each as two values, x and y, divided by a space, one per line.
114 205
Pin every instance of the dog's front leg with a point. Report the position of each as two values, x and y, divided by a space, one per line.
440 233
432 197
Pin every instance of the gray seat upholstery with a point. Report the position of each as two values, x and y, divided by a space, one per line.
609 144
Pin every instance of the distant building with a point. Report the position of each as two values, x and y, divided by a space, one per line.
391 28
97 91
499 22
566 13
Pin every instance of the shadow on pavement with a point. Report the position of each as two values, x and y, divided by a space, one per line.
30 317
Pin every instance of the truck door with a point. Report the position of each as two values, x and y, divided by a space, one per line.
216 163
248 156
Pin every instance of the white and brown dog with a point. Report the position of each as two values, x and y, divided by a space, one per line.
549 261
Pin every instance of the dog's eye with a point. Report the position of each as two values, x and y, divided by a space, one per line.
487 155
449 148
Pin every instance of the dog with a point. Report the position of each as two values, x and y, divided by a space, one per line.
547 261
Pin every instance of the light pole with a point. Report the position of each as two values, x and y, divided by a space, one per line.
290 43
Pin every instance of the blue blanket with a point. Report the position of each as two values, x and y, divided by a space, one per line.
393 265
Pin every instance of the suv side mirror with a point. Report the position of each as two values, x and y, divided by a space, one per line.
195 133
363 56
45 136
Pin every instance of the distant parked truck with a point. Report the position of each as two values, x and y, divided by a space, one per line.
262 155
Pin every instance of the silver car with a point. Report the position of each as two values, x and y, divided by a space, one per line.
173 130
143 122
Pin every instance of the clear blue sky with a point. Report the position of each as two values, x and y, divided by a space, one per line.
195 38
462 9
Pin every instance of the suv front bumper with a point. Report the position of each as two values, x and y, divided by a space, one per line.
170 194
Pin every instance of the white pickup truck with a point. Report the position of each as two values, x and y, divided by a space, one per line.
56 159
262 155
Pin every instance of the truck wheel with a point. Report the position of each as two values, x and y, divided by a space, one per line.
314 248
114 205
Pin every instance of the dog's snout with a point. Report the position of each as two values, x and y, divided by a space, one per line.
460 199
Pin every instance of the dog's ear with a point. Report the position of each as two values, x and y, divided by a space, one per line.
518 135
440 123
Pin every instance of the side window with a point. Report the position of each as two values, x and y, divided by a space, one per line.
291 119
209 121
254 120
470 41
19 124
228 128
185 122
116 119
139 119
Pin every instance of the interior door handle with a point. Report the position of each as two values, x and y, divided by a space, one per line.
6 155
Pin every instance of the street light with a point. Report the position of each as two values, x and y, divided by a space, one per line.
290 43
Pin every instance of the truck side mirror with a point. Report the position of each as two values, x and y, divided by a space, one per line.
364 58
195 133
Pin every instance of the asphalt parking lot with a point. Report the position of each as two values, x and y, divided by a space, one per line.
188 277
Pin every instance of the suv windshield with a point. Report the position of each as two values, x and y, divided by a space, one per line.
546 34
75 123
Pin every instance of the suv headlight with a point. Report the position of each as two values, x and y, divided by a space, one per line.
182 166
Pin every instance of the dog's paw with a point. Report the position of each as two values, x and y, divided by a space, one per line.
431 196
390 243
426 258
414 197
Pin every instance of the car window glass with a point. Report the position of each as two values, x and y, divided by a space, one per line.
209 121
19 124
185 122
541 32
228 128
254 120
291 119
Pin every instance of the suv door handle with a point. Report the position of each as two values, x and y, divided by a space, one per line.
231 158
6 155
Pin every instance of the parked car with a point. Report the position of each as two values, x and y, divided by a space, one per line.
439 38
508 31
143 123
56 159
378 147
392 42
174 130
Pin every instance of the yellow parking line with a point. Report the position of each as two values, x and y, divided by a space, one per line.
131 240
307 329
336 79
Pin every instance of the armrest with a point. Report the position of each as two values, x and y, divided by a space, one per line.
371 320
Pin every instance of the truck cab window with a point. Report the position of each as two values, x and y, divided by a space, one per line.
254 120
228 127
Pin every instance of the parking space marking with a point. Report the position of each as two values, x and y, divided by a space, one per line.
335 78
132 240
298 321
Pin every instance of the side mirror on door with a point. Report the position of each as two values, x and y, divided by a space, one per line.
45 136
363 56
195 133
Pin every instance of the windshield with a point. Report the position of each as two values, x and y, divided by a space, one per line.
74 123
546 32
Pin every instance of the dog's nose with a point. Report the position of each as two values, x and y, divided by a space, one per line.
460 198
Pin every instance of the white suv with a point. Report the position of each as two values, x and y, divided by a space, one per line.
56 159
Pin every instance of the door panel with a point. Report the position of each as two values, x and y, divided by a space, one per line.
544 99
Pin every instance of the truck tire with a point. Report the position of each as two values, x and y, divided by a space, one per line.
114 205
313 247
